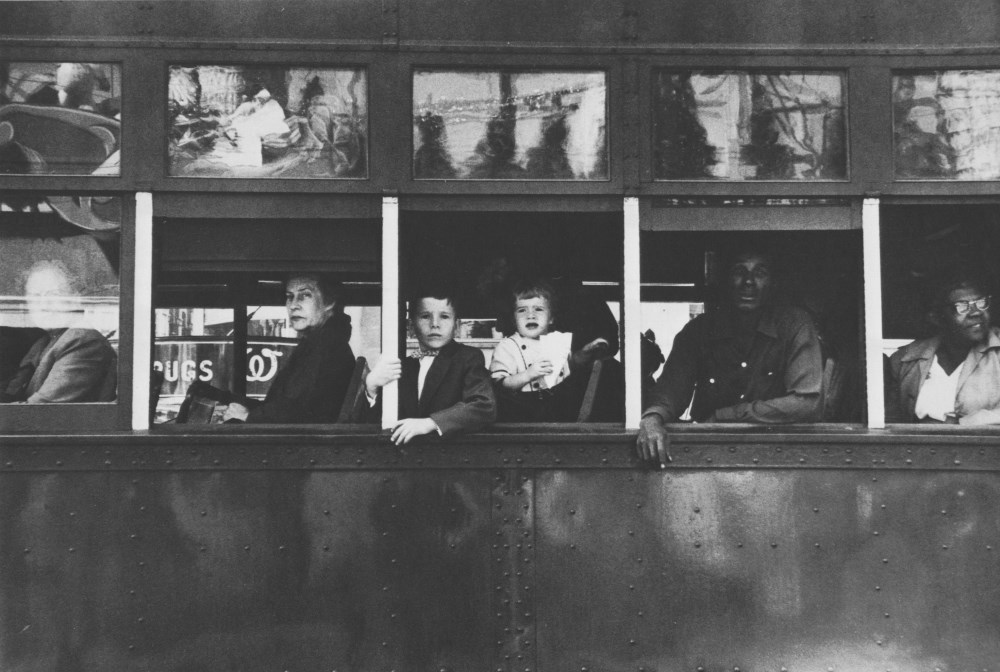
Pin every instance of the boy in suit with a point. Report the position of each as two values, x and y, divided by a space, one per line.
445 387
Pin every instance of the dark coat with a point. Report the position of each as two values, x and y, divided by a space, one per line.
458 394
310 388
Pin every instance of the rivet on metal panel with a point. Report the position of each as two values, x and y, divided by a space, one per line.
709 460
202 549
816 544
944 512
265 462
958 461
875 532
989 548
732 449
697 509
631 586
886 614
802 460
774 544
697 544
849 461
885 561
169 462
59 463
631 533
133 536
28 550
631 642
878 588
755 460
246 548
739 544
944 546
909 461
640 614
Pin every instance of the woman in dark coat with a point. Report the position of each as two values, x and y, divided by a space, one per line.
310 388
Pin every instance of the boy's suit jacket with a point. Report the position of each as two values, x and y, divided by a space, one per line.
458 393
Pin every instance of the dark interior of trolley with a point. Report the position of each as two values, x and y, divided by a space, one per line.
167 167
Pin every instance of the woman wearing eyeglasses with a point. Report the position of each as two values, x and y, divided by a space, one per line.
954 376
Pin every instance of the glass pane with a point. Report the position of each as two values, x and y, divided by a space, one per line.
947 124
59 293
257 122
60 118
510 126
749 126
191 344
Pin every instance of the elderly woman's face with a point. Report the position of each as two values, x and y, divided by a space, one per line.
304 303
963 318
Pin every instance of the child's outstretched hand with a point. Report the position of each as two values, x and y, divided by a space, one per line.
386 370
411 427
539 369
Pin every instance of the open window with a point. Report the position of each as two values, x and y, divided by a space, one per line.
807 338
939 345
570 261
225 332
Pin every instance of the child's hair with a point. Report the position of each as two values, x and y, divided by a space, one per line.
534 289
435 292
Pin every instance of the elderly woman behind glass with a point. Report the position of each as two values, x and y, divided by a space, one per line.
71 362
954 376
310 387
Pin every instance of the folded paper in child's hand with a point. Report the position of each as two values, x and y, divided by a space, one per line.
555 347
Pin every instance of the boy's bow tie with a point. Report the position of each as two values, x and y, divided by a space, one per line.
420 354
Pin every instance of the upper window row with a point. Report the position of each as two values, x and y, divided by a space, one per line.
263 121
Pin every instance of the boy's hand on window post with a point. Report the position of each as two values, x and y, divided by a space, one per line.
385 371
411 427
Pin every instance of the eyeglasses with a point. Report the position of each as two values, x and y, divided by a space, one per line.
963 307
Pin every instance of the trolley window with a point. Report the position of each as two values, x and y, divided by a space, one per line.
507 125
941 348
244 121
740 125
540 294
759 327
59 306
60 118
235 299
946 125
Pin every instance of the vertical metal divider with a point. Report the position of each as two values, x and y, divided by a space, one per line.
631 315
873 312
390 302
142 313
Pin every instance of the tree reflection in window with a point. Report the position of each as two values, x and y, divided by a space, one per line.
749 126
946 124
510 126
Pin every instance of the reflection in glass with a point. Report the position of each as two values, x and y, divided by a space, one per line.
58 308
947 124
197 344
510 126
749 126
60 118
253 122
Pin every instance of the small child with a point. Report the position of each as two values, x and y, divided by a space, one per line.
445 387
528 364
